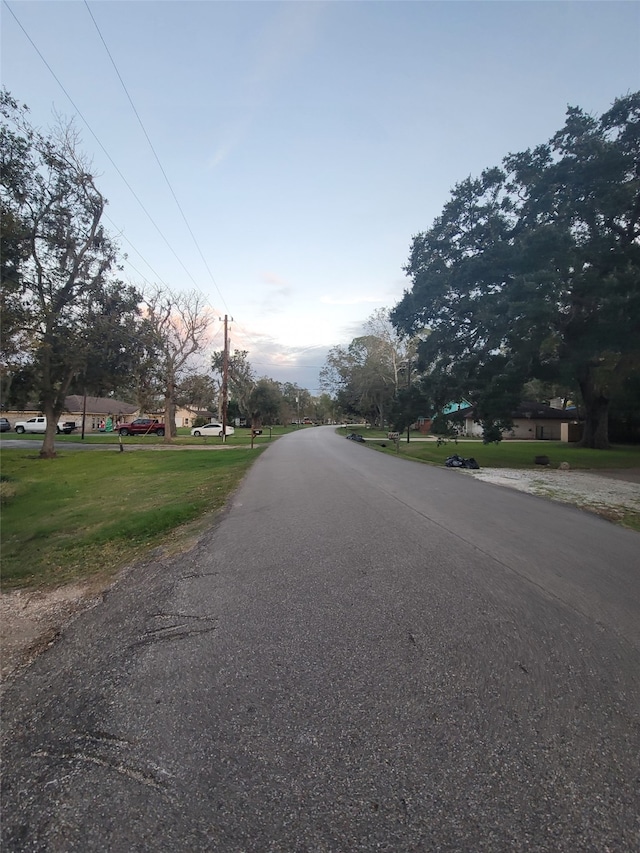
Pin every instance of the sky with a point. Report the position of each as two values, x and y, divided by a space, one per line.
279 157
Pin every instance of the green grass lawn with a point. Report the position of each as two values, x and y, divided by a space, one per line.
506 454
241 437
91 513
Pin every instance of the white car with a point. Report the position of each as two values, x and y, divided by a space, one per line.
212 429
39 424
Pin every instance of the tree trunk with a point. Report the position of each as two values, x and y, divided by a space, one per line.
169 419
596 425
48 449
170 410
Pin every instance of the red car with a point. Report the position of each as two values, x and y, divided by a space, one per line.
142 426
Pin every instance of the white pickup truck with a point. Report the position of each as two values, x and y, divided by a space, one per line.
39 424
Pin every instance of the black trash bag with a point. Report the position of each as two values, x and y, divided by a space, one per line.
454 461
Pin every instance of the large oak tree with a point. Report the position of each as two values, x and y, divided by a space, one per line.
533 271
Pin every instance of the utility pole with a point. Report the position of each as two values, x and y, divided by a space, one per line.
408 387
225 377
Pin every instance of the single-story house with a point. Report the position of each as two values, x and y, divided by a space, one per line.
423 424
97 411
186 416
534 421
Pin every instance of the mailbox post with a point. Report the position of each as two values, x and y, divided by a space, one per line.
395 437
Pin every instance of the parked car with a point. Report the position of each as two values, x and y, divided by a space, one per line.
142 426
5 426
354 436
39 424
212 429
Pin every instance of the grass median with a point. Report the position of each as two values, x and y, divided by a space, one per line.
86 514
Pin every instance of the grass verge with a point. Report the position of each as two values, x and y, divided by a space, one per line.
241 438
86 514
507 454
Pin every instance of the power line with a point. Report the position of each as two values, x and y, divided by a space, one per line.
247 335
155 154
95 136
137 251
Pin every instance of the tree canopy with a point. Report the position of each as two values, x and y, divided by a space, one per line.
365 375
240 376
264 402
59 304
180 324
68 325
532 270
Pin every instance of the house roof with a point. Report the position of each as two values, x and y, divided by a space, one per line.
459 406
98 405
541 410
527 409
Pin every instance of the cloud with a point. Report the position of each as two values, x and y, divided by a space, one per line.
269 357
289 34
351 300
274 279
224 148
275 294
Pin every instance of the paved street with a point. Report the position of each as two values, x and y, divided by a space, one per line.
364 654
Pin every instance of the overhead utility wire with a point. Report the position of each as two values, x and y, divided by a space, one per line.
160 166
121 236
164 174
76 108
126 182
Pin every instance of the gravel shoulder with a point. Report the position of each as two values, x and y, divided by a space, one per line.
32 620
611 493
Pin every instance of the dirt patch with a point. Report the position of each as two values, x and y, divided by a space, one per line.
32 620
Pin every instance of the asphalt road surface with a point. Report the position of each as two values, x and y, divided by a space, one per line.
364 654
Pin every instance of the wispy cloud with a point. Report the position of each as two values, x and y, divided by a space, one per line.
270 358
276 292
351 300
288 36
275 280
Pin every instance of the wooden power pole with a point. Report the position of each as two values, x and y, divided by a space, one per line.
225 378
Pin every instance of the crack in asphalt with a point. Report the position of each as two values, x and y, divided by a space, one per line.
133 773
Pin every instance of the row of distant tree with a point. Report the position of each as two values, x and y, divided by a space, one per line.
265 401
528 283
